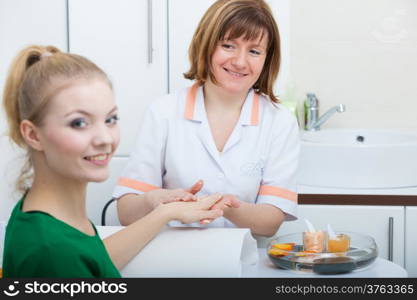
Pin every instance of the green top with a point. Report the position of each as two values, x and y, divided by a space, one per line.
39 245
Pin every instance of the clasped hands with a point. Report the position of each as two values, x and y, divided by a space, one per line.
163 196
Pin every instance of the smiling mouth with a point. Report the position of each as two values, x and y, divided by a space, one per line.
235 74
100 157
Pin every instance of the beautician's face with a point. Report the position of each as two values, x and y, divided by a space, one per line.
238 63
79 133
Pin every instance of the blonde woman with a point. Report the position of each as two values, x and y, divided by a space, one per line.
227 130
61 109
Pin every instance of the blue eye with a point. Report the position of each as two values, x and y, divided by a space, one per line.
255 52
112 120
78 123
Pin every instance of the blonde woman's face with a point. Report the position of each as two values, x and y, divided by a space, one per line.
79 133
238 63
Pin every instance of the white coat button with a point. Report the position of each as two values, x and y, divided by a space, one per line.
220 175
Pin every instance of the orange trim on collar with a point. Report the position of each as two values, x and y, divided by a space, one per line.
190 102
254 120
137 185
269 190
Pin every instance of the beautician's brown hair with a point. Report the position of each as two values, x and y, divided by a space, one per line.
231 19
37 74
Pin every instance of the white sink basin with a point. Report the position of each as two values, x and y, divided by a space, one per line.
359 159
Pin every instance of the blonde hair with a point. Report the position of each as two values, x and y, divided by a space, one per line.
36 74
235 18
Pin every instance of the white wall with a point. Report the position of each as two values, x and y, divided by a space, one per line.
360 53
23 22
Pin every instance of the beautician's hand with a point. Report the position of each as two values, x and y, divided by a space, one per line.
196 187
226 202
156 197
189 212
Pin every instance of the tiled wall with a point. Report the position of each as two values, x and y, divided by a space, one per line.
362 53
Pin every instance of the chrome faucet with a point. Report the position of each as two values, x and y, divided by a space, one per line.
312 121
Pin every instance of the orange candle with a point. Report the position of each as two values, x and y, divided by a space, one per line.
341 243
314 241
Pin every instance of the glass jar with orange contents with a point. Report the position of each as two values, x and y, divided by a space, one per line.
314 241
339 243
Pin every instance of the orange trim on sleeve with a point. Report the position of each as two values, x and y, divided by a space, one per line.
190 102
268 190
137 185
254 120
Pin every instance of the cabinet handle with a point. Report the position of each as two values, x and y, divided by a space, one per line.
390 238
150 42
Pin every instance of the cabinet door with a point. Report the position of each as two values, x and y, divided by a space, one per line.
182 25
370 220
23 23
411 241
127 39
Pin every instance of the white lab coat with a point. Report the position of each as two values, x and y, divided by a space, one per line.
175 148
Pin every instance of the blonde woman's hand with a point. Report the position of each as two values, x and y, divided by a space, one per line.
156 197
190 212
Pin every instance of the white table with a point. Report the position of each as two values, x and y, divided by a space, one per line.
265 268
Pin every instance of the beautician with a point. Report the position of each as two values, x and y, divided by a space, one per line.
228 129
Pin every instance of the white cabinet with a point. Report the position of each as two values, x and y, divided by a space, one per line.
411 240
128 39
371 220
23 23
182 25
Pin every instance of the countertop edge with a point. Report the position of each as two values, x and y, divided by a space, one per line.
355 199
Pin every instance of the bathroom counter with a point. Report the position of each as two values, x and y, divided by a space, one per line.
354 199
329 196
